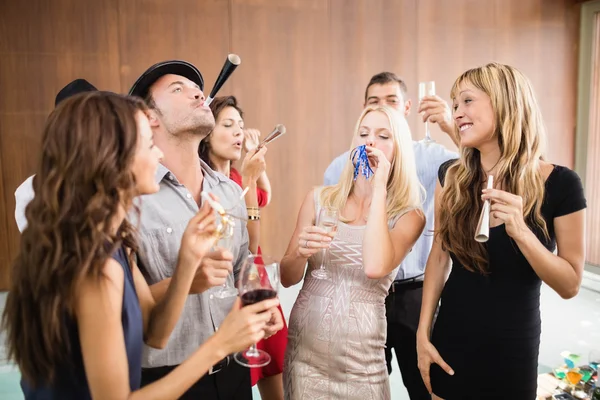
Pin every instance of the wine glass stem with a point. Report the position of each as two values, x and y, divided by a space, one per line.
252 352
427 135
323 255
226 284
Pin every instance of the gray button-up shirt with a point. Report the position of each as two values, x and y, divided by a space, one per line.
164 217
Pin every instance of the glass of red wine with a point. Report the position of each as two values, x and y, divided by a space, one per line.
258 280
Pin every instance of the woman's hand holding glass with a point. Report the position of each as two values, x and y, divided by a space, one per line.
259 280
328 221
245 326
313 239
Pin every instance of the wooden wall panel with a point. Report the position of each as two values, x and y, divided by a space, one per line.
151 31
451 37
5 212
285 78
540 38
20 136
44 46
368 37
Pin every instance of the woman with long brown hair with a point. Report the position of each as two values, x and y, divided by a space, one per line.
79 309
487 332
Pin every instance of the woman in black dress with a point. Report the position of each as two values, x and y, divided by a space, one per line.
485 342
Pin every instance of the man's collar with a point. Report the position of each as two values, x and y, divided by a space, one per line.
208 173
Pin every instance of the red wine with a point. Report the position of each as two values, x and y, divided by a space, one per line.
256 296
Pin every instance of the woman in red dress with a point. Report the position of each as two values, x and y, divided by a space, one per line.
219 149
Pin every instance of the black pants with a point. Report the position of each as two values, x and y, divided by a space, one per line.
230 383
403 307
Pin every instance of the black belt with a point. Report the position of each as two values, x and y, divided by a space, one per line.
219 366
410 283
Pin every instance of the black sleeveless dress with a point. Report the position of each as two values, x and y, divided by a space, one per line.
488 327
71 382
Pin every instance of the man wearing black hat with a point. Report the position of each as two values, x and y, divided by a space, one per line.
75 87
179 120
24 193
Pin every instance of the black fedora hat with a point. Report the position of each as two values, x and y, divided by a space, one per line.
176 67
75 87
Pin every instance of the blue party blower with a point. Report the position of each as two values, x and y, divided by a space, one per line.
360 160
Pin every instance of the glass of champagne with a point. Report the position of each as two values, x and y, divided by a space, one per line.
225 228
426 89
328 220
258 281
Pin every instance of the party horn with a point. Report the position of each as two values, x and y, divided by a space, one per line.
483 227
277 132
231 63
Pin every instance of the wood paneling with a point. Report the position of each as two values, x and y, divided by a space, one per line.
20 149
451 38
5 213
367 37
305 63
540 38
151 31
284 78
43 46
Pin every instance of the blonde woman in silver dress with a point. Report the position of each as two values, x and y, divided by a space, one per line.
337 328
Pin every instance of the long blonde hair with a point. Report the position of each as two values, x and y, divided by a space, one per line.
521 137
404 190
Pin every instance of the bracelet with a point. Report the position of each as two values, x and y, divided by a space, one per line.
253 213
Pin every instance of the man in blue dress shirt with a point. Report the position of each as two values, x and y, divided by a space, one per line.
403 304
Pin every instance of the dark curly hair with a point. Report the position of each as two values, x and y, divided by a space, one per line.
83 183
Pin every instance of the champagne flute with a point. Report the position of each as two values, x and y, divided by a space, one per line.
225 228
328 220
426 89
259 280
